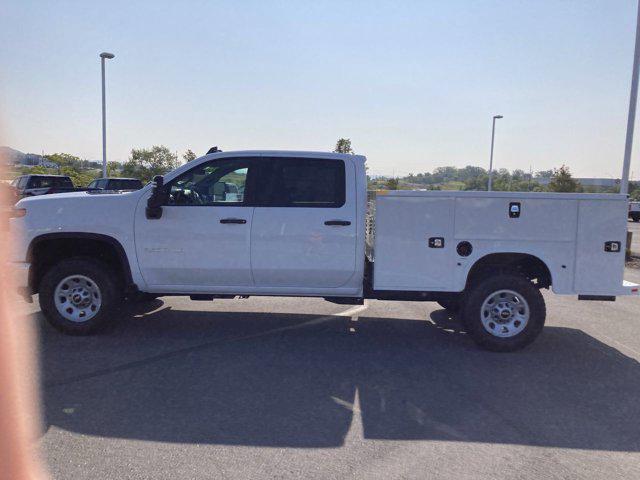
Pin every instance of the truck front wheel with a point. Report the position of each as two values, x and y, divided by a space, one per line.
79 295
503 313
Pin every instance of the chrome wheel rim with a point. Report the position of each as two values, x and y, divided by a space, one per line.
505 313
78 298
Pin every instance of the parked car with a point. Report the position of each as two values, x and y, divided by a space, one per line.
114 183
634 211
303 226
32 185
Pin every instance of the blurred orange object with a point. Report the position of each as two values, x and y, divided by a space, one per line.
19 418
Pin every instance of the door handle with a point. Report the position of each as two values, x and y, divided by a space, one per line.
340 223
233 220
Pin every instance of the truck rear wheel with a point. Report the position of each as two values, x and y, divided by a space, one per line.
505 312
79 295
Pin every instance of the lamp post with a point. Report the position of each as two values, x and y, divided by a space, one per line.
633 98
103 57
493 134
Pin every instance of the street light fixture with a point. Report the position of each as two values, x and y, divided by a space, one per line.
493 134
103 56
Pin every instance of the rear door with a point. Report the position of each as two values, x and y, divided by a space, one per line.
304 223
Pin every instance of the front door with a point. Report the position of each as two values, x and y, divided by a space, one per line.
304 224
202 240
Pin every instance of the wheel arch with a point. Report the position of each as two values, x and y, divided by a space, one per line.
47 249
531 266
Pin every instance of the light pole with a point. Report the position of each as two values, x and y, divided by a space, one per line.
493 134
633 98
103 56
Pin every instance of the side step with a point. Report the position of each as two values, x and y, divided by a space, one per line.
598 298
204 297
345 300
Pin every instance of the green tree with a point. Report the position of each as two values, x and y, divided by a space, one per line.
114 169
562 181
343 145
147 163
391 184
80 178
189 155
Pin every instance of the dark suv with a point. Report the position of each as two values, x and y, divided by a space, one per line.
30 185
116 184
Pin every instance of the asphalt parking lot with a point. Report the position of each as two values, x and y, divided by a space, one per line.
300 388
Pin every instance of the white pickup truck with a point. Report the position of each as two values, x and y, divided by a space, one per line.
301 224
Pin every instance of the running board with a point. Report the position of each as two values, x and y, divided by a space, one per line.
598 298
345 300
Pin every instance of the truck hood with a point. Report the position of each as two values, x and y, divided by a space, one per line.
109 213
66 196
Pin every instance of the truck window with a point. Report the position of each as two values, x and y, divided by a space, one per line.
124 184
62 182
220 182
39 182
303 182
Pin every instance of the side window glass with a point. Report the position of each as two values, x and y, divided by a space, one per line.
221 182
305 182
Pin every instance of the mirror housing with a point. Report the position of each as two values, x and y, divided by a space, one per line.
157 198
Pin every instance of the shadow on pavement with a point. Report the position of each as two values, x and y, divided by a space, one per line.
288 380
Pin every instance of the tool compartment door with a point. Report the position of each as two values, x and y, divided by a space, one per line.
598 271
414 248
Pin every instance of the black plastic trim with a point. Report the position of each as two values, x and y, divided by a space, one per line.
598 298
122 255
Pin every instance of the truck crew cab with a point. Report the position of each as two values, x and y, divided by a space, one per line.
301 224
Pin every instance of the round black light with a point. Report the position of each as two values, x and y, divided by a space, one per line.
464 249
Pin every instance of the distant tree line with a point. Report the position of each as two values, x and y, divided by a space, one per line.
145 163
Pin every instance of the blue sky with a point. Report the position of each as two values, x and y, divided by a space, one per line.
414 84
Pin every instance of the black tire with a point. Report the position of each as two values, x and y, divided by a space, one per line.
452 304
142 297
100 274
481 291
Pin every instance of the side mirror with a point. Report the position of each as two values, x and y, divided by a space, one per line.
157 198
